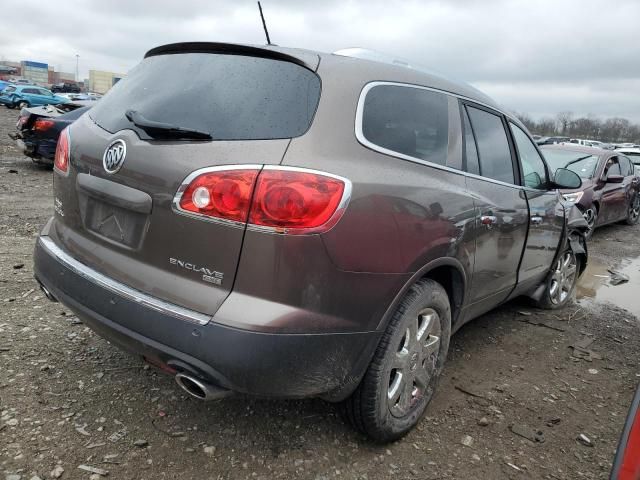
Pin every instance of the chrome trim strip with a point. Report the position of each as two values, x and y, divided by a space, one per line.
363 140
175 204
121 289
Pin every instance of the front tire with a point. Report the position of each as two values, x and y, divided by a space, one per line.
633 214
400 381
22 104
562 282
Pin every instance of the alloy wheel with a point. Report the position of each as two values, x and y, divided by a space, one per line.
590 217
414 363
634 209
563 278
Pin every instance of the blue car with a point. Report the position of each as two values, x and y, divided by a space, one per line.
28 96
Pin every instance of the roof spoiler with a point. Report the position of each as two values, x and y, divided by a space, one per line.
304 59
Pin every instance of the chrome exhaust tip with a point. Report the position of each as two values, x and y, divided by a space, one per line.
199 389
47 293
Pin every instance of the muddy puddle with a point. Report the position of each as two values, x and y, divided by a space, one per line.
595 285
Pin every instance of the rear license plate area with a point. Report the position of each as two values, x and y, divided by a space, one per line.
113 223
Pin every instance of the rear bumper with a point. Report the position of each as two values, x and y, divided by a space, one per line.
44 149
257 363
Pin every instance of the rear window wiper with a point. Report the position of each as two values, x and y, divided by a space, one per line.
163 130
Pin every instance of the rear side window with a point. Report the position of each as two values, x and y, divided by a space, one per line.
407 120
231 97
625 166
493 146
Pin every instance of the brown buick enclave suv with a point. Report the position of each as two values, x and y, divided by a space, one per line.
286 223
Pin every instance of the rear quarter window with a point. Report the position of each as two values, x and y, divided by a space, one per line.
231 97
408 120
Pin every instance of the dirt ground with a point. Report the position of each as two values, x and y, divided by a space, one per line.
69 399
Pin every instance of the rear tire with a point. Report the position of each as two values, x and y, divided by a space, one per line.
562 282
400 381
633 214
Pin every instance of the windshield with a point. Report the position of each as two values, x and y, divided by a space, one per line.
578 162
230 97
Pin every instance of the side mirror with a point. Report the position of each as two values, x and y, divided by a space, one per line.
615 179
565 178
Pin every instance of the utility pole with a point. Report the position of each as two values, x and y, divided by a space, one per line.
77 75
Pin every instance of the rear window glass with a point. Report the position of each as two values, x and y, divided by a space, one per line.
407 120
231 97
493 146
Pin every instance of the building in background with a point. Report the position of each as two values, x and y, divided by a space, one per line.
35 72
101 82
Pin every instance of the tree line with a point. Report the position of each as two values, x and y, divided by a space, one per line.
610 130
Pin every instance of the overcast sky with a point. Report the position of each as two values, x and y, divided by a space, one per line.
539 57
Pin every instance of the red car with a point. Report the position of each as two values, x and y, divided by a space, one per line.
610 186
627 463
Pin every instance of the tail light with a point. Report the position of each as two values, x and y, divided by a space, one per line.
222 194
42 125
627 462
278 199
61 161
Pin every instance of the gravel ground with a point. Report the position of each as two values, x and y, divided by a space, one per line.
512 403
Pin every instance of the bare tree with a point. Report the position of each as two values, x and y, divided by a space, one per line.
563 119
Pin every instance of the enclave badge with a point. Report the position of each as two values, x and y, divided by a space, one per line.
114 155
208 275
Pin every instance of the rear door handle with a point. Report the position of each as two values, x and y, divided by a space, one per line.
536 220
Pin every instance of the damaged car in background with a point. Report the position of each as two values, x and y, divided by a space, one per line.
306 225
610 190
38 129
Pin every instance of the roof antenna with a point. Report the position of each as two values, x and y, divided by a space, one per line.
264 24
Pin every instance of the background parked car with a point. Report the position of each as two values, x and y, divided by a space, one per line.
38 130
634 155
626 465
66 87
551 140
29 96
610 184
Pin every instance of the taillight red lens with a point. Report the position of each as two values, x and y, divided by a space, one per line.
61 162
43 125
630 468
281 199
221 194
290 199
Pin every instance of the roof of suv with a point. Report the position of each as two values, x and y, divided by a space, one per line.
376 70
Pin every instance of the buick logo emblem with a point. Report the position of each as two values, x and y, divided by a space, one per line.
114 155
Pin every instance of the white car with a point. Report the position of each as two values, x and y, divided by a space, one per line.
634 155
